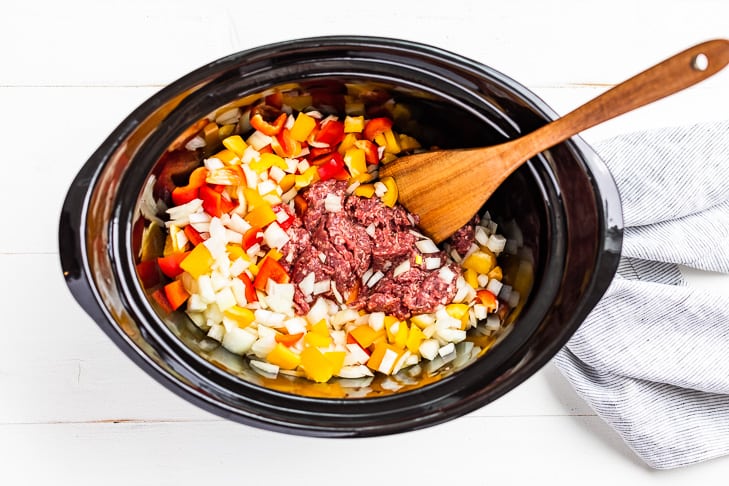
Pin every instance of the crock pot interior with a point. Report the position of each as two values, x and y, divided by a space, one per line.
520 207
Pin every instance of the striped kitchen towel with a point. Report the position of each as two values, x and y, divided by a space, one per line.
652 358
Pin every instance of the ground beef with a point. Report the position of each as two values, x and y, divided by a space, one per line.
340 246
464 237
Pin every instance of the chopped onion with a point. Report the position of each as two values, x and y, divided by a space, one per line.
258 140
280 297
318 311
322 287
225 299
447 349
366 276
377 320
295 325
427 246
376 277
195 143
264 366
403 267
213 163
496 243
336 293
359 371
217 332
483 280
431 263
333 203
307 284
249 155
429 349
238 340
266 186
493 323
275 236
481 235
344 316
494 286
380 189
269 318
446 274
228 117
370 230
351 188
451 335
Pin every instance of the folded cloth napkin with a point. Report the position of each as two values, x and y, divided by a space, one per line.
652 358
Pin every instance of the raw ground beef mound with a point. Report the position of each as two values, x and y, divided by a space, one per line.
337 245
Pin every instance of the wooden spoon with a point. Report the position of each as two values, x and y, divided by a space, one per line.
446 188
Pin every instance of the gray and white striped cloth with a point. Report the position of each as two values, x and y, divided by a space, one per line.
652 358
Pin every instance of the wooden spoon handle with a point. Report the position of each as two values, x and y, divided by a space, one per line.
670 76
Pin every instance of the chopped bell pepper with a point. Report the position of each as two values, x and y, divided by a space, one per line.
251 237
331 166
285 146
316 366
148 273
261 216
176 294
267 128
193 235
160 297
481 261
242 316
250 292
390 197
170 264
303 126
288 339
375 127
236 144
364 335
353 124
300 205
372 154
283 357
198 261
336 358
317 340
331 133
383 358
270 268
185 194
488 300
415 338
213 201
354 158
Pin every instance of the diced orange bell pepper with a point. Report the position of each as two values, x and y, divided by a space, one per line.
267 128
300 205
176 294
288 339
283 357
261 216
383 358
488 300
285 146
170 264
364 335
270 268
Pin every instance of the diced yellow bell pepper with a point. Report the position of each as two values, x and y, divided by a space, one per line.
415 338
198 262
303 125
480 261
401 337
353 124
354 158
320 327
309 176
273 253
169 248
317 340
347 143
390 197
297 102
471 277
316 366
496 273
253 198
261 215
388 157
283 357
392 142
236 251
458 311
380 140
266 161
228 157
336 358
242 316
365 190
236 144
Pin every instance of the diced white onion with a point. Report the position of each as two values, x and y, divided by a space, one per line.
496 243
481 235
307 284
322 287
431 263
295 325
318 311
280 296
258 140
429 348
494 286
275 236
376 277
333 203
225 299
447 349
264 366
446 274
217 332
380 189
493 323
344 316
370 230
228 117
238 224
238 341
451 335
269 318
427 246
195 143
354 371
483 280
404 266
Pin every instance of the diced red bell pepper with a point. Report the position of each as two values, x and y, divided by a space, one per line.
316 152
170 264
288 339
176 294
267 128
213 201
148 273
270 269
376 126
331 166
251 237
251 295
290 217
185 194
193 235
332 133
372 154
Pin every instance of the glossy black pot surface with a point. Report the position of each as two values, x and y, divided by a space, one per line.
562 210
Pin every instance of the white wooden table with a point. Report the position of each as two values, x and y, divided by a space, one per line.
74 408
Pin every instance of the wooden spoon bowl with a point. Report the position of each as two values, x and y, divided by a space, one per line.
446 188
